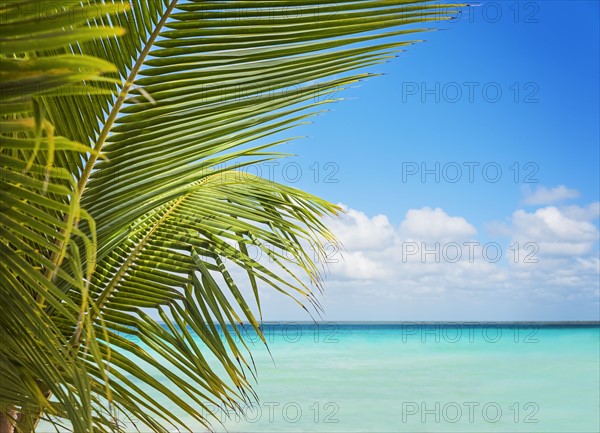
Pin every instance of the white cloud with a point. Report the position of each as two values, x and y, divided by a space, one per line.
435 224
373 280
586 213
357 231
375 270
543 195
359 265
555 232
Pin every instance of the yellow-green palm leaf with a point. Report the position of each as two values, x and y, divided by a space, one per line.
125 218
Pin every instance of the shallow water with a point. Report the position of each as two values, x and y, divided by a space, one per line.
424 378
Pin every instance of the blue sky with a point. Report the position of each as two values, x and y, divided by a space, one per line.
370 136
542 131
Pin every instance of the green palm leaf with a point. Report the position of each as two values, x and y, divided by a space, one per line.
123 129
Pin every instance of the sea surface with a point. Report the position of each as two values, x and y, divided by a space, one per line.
436 377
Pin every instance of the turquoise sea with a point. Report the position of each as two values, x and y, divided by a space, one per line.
424 378
438 377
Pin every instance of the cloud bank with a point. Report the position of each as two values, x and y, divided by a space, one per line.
535 264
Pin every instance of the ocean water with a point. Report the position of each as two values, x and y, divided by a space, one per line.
423 378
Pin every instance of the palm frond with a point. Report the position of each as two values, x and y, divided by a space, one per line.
123 212
174 260
40 216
